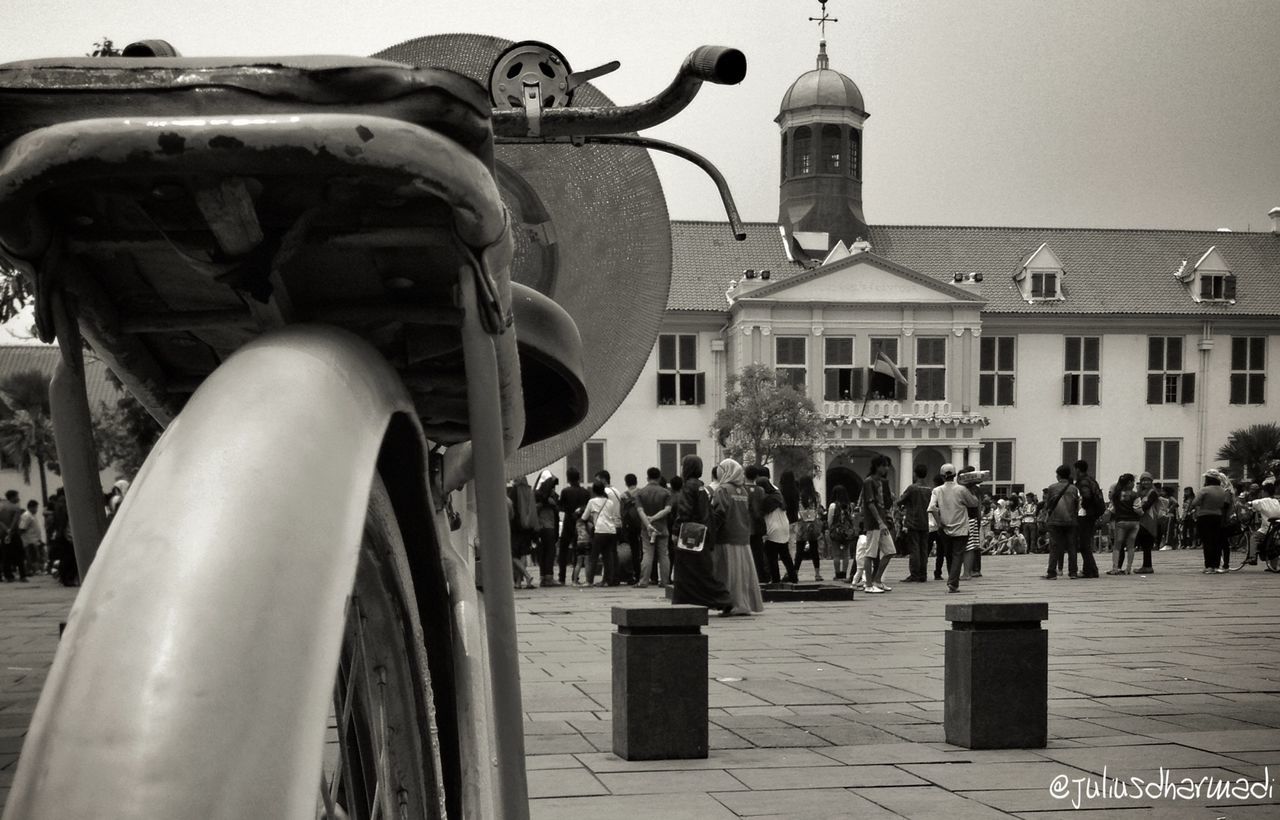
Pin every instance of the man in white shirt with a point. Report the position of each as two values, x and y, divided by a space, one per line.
949 506
31 530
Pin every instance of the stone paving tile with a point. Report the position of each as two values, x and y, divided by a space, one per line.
1246 741
929 801
887 753
814 803
1124 759
825 777
539 762
563 783
727 759
668 782
1009 775
690 806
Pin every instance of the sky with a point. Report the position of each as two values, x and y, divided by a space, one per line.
1072 113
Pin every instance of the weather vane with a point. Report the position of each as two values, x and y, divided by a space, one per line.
824 19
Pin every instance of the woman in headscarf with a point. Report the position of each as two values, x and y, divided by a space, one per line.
731 522
695 579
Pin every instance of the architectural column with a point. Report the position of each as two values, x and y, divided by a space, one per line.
906 460
968 372
973 455
957 457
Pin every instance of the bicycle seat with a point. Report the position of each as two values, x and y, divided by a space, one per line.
38 93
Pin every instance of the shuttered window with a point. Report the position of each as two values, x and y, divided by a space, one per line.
1248 369
1081 379
996 371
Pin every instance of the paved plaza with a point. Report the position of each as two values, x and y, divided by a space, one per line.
835 709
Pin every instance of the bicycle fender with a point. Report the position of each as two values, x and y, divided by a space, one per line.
197 667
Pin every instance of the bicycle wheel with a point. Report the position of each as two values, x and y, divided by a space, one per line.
382 758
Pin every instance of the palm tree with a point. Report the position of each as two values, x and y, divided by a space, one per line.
26 431
1252 448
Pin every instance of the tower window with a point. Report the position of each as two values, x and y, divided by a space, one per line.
804 151
783 164
830 149
855 153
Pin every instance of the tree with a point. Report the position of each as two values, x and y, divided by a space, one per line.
124 433
26 431
765 416
1253 448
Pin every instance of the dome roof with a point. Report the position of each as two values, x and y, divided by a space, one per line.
822 86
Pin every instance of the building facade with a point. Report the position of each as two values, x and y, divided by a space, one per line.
1022 348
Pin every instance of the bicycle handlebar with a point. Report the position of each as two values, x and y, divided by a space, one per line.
714 64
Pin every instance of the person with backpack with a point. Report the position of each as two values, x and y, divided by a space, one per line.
1092 506
1059 515
842 528
914 503
809 529
777 531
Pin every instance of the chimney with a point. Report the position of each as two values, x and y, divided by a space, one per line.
1274 213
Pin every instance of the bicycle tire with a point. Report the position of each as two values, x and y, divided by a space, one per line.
387 752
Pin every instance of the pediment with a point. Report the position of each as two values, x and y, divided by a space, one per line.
1043 258
863 278
1213 262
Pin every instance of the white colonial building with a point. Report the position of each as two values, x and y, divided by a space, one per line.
1023 348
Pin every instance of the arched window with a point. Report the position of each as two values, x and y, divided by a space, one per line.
830 149
855 153
783 165
803 151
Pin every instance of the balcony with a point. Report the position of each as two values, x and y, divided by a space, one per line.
880 408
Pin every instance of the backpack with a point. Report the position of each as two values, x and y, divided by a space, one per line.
630 510
842 526
1091 497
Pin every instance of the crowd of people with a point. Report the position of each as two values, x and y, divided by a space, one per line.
35 543
717 541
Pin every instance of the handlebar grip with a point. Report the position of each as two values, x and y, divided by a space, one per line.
716 64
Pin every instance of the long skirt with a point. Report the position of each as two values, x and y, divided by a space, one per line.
737 570
695 581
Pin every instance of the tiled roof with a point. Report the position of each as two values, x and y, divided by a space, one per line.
1104 270
705 257
17 358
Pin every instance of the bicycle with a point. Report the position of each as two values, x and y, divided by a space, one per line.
303 268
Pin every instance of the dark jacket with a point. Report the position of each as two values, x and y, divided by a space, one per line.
731 515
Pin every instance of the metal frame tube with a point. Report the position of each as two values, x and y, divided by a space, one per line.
489 457
73 434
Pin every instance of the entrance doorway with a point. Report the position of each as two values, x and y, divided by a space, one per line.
843 477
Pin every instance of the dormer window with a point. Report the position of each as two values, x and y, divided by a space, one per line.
1210 279
1039 277
1044 284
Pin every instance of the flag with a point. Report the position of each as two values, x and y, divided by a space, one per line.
888 368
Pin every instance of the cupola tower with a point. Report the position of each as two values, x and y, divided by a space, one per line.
820 196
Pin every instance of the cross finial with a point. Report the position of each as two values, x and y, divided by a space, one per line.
824 19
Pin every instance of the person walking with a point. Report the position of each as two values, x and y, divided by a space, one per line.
876 503
915 506
654 500
842 529
1125 516
603 514
1062 501
731 523
1092 505
695 577
809 529
949 506
1210 506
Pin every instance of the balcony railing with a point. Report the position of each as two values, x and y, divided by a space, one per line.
878 408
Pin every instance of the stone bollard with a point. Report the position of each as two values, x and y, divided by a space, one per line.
660 682
997 676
